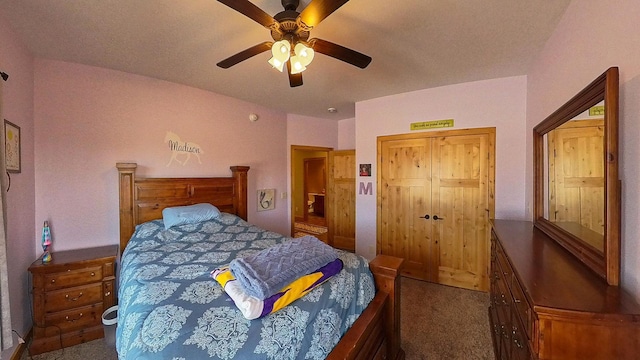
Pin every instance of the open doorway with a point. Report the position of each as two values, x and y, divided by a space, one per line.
315 184
308 188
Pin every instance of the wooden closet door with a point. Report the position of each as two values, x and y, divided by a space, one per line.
341 199
404 197
460 201
435 198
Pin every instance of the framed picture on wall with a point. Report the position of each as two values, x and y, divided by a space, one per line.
12 147
266 199
365 169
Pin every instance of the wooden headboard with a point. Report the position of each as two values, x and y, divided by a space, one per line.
143 199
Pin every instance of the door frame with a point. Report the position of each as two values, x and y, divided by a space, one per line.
297 152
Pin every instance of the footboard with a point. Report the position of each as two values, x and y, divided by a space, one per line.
376 333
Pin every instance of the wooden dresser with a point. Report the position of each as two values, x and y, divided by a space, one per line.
545 304
69 296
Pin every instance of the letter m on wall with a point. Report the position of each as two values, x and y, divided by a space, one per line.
365 189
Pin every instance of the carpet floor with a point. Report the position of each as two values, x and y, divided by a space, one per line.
444 323
437 323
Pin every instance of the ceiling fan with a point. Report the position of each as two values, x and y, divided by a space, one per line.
290 32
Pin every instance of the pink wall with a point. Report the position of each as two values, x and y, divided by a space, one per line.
307 130
17 107
590 38
347 134
499 103
88 118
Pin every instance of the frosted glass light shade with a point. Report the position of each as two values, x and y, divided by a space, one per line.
280 52
303 57
297 65
305 53
277 64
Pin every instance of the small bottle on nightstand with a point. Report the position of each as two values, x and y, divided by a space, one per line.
46 243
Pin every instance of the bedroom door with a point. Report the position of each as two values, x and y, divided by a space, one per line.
341 199
434 204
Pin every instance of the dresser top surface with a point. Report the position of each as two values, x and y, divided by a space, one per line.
553 278
62 258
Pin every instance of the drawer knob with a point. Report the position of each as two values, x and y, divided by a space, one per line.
518 343
504 300
93 274
73 299
73 320
107 293
53 281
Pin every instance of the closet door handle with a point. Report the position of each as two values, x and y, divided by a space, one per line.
425 217
435 217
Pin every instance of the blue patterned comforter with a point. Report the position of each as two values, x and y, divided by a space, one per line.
170 307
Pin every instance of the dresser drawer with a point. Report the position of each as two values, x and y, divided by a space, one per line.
519 341
72 278
521 306
77 318
503 263
73 297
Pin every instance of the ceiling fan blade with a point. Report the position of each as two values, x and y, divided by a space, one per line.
251 11
318 10
245 54
294 79
340 52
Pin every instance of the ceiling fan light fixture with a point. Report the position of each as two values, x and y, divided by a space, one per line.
303 57
277 64
290 30
297 65
282 48
304 53
281 51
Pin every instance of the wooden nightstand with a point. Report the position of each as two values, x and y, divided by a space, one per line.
69 295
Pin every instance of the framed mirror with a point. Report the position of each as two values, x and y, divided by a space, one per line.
576 186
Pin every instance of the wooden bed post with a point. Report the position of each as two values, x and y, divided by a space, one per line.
386 270
240 201
126 181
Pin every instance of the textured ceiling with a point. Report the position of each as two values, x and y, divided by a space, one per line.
415 44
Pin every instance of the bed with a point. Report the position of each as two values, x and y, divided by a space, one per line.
374 334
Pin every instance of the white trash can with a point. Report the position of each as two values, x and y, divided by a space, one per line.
109 324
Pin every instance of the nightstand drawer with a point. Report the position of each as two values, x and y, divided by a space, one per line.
73 297
78 318
73 278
